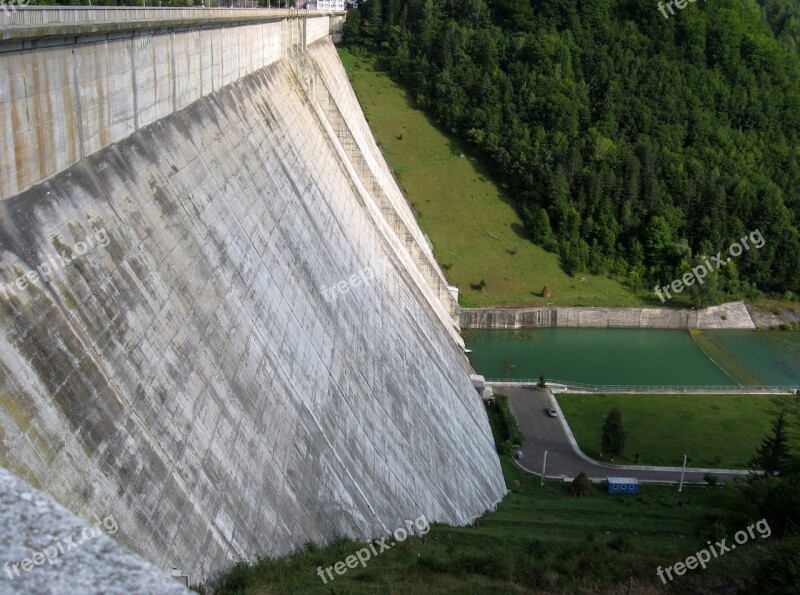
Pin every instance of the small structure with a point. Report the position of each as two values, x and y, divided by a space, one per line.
546 292
623 485
488 396
478 382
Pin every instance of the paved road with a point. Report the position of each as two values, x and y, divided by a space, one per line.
545 433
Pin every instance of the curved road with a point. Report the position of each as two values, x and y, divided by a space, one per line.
551 434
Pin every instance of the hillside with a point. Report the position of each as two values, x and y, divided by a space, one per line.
633 145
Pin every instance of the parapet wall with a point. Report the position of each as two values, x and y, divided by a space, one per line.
726 316
76 95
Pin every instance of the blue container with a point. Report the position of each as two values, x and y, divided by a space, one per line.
623 485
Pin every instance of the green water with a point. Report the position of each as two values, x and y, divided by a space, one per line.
628 356
762 357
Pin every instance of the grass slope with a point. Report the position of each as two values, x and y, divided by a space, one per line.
538 540
721 431
474 229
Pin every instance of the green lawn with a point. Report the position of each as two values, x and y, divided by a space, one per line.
539 539
720 431
474 228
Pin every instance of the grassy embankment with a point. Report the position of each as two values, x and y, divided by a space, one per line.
476 233
539 540
721 431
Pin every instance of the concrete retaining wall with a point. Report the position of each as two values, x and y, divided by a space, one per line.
219 374
730 316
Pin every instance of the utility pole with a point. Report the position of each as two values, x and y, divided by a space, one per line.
544 467
680 485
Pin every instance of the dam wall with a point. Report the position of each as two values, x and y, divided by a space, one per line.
726 316
213 328
329 79
74 96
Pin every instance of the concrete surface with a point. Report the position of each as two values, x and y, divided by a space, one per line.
726 316
771 315
32 23
190 376
45 549
355 138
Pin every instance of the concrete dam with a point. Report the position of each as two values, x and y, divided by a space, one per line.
221 323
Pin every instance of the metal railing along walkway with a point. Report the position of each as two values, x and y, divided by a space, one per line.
37 16
646 388
21 22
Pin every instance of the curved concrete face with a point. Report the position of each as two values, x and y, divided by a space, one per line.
223 341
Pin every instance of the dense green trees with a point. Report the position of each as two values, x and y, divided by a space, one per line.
776 499
783 17
773 455
614 436
632 144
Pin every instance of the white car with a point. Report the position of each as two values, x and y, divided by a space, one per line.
551 412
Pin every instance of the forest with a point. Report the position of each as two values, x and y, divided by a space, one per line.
632 145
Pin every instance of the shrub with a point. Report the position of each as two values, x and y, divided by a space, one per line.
780 571
581 486
535 548
237 579
621 544
432 563
509 429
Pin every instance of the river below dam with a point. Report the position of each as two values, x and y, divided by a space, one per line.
640 357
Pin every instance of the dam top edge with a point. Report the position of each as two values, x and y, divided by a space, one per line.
26 22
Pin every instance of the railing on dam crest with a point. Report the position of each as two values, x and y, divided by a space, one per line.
20 18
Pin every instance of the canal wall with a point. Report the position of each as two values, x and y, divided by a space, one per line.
726 316
249 356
